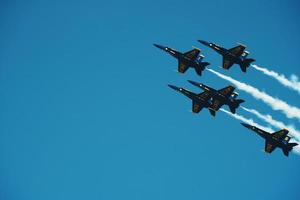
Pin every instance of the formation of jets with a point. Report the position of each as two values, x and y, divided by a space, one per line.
211 99
214 99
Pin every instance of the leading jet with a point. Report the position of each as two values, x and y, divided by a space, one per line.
192 59
278 139
231 56
200 101
225 96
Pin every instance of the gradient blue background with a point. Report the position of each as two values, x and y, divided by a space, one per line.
86 112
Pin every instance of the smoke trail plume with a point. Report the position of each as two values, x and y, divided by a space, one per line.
291 83
295 150
247 121
278 124
274 103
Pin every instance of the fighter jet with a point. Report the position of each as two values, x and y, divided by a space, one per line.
278 139
199 100
220 97
231 56
192 58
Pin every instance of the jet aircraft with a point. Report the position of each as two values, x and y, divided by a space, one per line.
278 139
231 56
192 58
199 100
220 97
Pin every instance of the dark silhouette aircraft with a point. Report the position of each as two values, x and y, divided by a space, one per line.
231 56
220 97
199 100
191 58
278 139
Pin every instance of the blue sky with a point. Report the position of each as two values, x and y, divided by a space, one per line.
86 112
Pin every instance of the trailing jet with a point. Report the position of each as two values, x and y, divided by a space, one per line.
192 58
199 100
278 139
231 56
220 97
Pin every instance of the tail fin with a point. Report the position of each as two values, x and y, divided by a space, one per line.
204 64
212 112
235 105
288 148
246 63
201 67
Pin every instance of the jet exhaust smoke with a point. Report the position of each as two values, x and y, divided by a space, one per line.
278 124
247 121
274 103
291 83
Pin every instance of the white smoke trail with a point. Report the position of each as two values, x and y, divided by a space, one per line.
250 121
291 83
278 124
275 103
247 121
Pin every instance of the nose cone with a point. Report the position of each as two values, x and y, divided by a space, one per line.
159 46
174 87
195 83
204 42
247 125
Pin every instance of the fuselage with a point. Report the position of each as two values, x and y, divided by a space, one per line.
194 97
183 58
226 100
226 53
269 137
216 95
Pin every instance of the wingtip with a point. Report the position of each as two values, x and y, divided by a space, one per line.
196 48
239 43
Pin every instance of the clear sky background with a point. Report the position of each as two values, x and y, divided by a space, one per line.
86 112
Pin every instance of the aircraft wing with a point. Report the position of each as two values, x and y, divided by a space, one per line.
182 67
192 54
216 104
269 147
197 107
227 91
281 134
227 63
205 96
238 50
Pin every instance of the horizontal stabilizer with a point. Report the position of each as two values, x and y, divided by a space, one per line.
288 148
235 105
246 63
